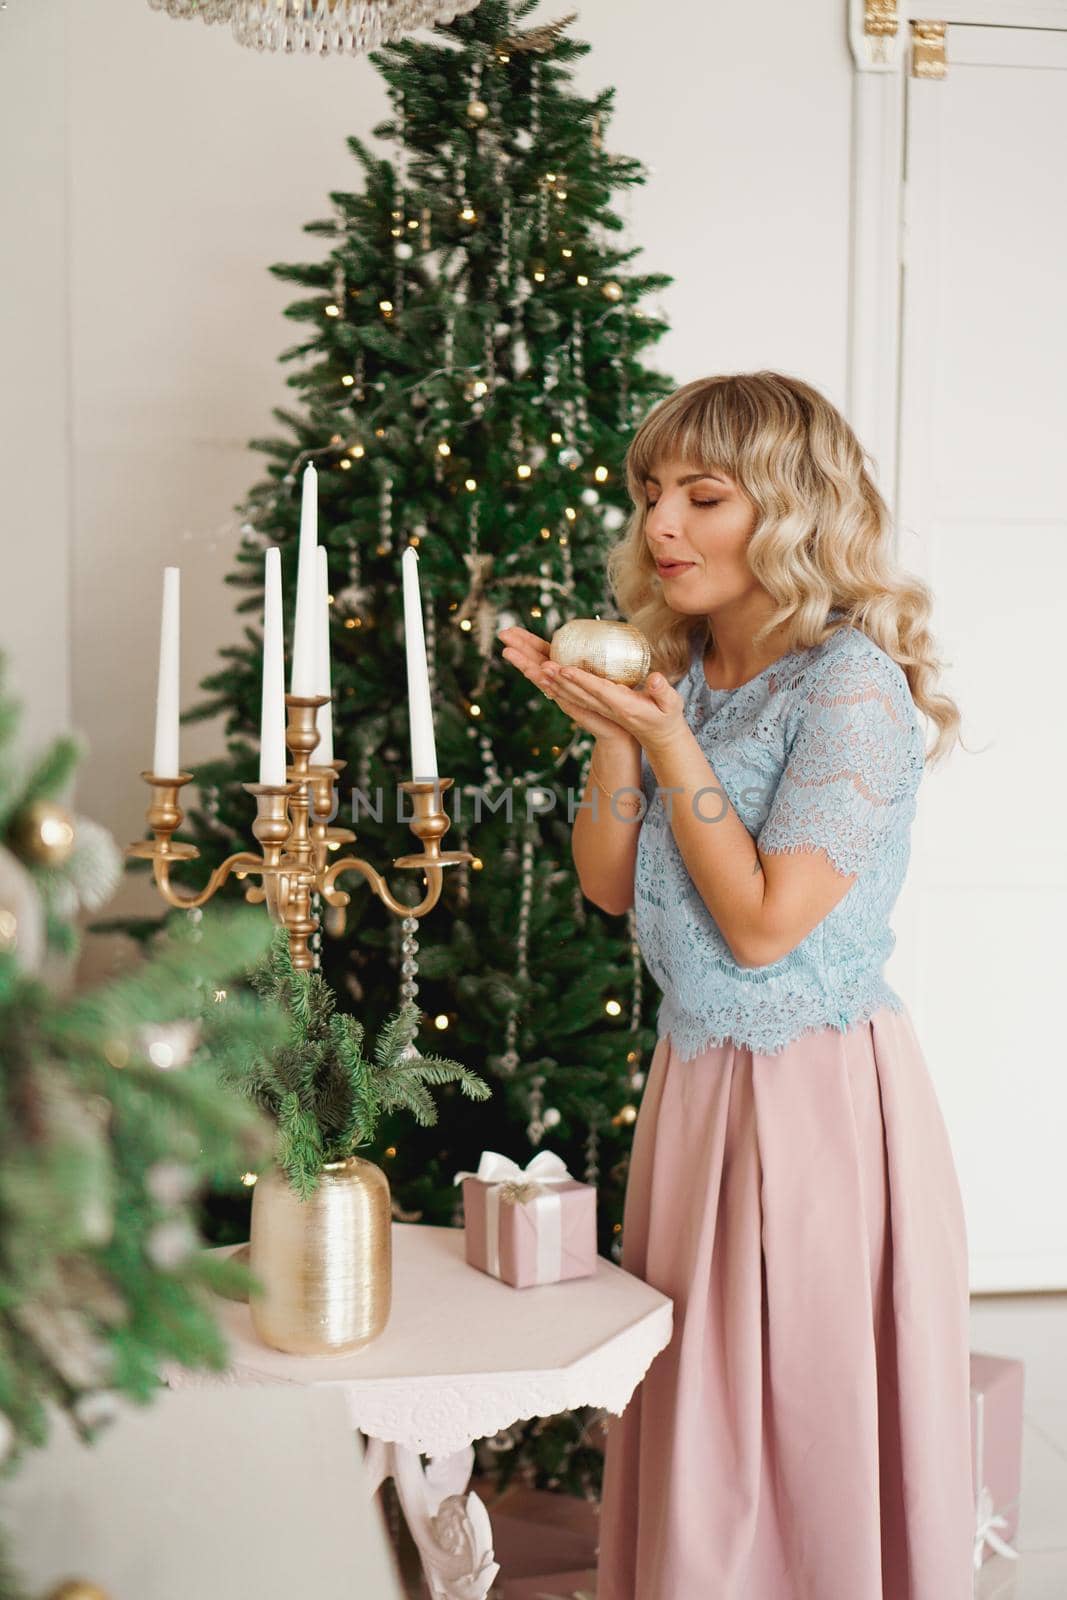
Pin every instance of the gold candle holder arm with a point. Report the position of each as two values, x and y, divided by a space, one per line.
271 828
163 850
430 823
325 837
298 873
293 828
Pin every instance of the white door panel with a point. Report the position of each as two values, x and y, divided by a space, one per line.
982 512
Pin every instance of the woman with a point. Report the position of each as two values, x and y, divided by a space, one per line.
806 1433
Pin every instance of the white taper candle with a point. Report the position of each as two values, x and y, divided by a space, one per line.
322 755
305 625
165 759
423 749
272 715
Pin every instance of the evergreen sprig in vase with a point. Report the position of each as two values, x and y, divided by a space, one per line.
321 1237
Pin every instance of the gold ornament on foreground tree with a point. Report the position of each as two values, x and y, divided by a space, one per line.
43 833
614 650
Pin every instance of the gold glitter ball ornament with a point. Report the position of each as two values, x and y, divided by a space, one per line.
477 111
614 650
43 834
611 290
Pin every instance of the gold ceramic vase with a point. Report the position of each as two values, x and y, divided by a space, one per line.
325 1263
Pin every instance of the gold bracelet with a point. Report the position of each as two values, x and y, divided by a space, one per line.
592 773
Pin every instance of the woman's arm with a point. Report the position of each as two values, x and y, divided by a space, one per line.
761 914
857 757
605 829
604 836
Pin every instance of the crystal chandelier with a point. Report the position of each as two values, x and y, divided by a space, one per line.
326 27
206 10
320 27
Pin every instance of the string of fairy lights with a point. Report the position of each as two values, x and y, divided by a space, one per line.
353 448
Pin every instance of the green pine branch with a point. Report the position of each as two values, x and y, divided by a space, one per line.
112 1120
324 1093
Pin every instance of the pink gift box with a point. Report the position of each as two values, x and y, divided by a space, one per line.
996 1451
578 1584
544 1238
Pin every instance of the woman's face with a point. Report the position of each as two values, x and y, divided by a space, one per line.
703 521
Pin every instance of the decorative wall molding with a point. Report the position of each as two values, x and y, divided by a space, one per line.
874 35
879 30
928 49
890 39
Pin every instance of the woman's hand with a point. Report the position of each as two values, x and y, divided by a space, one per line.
652 716
530 654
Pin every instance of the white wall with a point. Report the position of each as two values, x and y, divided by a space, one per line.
34 364
191 165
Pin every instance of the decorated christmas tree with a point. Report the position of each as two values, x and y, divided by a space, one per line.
468 379
468 382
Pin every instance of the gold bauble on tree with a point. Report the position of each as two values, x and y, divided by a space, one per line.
43 834
614 650
21 913
477 111
611 290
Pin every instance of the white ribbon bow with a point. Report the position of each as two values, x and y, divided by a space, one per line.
544 1169
984 1533
985 1521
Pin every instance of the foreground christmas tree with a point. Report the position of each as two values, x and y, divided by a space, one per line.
469 381
112 1120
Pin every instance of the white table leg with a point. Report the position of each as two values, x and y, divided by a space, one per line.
450 1526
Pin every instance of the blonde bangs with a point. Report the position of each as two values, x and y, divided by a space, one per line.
682 428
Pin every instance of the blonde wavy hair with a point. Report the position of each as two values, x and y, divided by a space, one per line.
822 535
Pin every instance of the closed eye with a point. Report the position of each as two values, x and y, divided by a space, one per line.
652 503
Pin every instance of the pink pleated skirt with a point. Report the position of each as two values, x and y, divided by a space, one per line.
806 1433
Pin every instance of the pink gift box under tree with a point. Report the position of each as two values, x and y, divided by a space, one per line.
528 1225
996 1452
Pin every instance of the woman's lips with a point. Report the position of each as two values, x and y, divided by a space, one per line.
669 569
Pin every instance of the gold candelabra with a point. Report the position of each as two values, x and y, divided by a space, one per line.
297 840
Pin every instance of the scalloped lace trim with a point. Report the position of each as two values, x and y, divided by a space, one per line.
837 749
850 771
770 1028
442 1414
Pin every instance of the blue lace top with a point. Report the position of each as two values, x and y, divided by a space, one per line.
823 748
